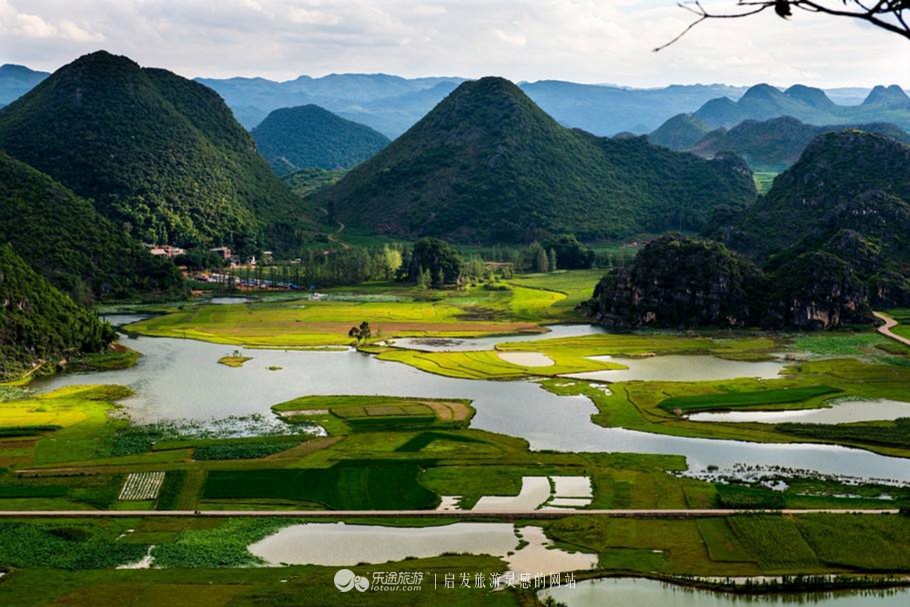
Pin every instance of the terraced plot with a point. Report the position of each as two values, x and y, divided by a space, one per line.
142 486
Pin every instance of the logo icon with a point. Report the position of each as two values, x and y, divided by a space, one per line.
346 579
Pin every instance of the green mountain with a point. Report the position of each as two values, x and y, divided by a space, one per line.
309 137
679 132
38 322
774 145
810 105
79 251
488 165
160 155
683 282
847 196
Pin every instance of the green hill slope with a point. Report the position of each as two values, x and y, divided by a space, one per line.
64 238
488 165
158 154
847 196
679 132
774 145
309 137
38 322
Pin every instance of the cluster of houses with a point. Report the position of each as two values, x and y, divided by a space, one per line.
224 253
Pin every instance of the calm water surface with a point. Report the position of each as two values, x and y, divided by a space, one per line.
622 592
840 412
178 378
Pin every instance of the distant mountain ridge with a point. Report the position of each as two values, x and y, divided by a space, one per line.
359 97
17 80
159 155
309 137
488 165
810 105
769 145
392 104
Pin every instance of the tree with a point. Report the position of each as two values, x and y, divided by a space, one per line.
885 14
571 254
551 259
439 259
361 333
543 263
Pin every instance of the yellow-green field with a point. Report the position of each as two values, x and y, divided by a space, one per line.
516 307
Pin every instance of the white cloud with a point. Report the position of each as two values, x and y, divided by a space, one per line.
581 40
18 24
513 39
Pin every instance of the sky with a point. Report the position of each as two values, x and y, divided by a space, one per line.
593 41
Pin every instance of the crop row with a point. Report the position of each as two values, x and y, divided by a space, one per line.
142 486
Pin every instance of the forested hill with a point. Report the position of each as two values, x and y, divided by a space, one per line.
79 251
309 137
848 196
160 155
776 144
38 322
488 165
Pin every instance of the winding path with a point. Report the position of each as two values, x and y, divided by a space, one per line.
443 514
885 329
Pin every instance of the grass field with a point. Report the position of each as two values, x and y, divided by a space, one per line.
903 319
764 180
341 415
350 485
736 400
519 305
637 405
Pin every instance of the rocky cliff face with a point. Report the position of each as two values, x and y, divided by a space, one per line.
819 291
680 282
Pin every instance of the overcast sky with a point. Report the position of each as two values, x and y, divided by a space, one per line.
598 41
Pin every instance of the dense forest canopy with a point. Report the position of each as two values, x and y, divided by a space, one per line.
159 155
62 236
488 165
38 323
310 137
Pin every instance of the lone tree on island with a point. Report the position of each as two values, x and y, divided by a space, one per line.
361 333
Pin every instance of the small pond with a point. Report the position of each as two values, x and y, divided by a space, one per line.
427 344
676 367
338 544
840 412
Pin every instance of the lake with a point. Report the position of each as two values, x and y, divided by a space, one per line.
180 379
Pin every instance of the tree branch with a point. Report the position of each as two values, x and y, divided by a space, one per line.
877 14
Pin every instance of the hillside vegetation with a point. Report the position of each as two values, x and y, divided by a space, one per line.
309 137
827 243
38 322
770 145
488 165
845 182
682 282
64 238
159 155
